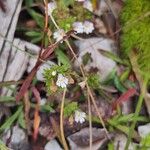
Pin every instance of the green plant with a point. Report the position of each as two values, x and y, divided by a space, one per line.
70 108
93 80
136 34
7 124
135 44
145 143
50 79
2 146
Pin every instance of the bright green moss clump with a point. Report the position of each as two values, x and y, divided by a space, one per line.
135 19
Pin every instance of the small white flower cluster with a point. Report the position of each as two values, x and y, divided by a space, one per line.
87 4
62 81
79 116
85 27
59 34
51 7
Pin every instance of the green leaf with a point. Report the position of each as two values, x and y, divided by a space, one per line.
68 2
114 57
86 58
94 80
62 57
2 146
37 39
70 108
66 24
7 99
46 108
110 77
7 124
145 143
125 75
33 33
21 120
37 17
28 3
111 146
118 84
131 117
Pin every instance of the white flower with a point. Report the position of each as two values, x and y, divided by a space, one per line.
80 116
88 5
78 27
40 72
88 27
42 101
62 81
54 73
59 34
51 7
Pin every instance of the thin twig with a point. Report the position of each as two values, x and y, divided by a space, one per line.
46 15
88 88
90 123
61 121
109 3
8 83
27 106
53 20
77 37
98 113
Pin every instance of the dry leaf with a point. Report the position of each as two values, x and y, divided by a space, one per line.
36 123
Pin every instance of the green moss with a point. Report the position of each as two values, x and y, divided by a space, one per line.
136 31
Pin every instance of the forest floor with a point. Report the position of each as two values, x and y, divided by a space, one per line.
75 75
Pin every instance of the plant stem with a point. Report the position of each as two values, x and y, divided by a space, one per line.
137 111
61 122
84 76
90 122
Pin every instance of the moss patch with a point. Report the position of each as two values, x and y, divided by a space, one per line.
136 31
